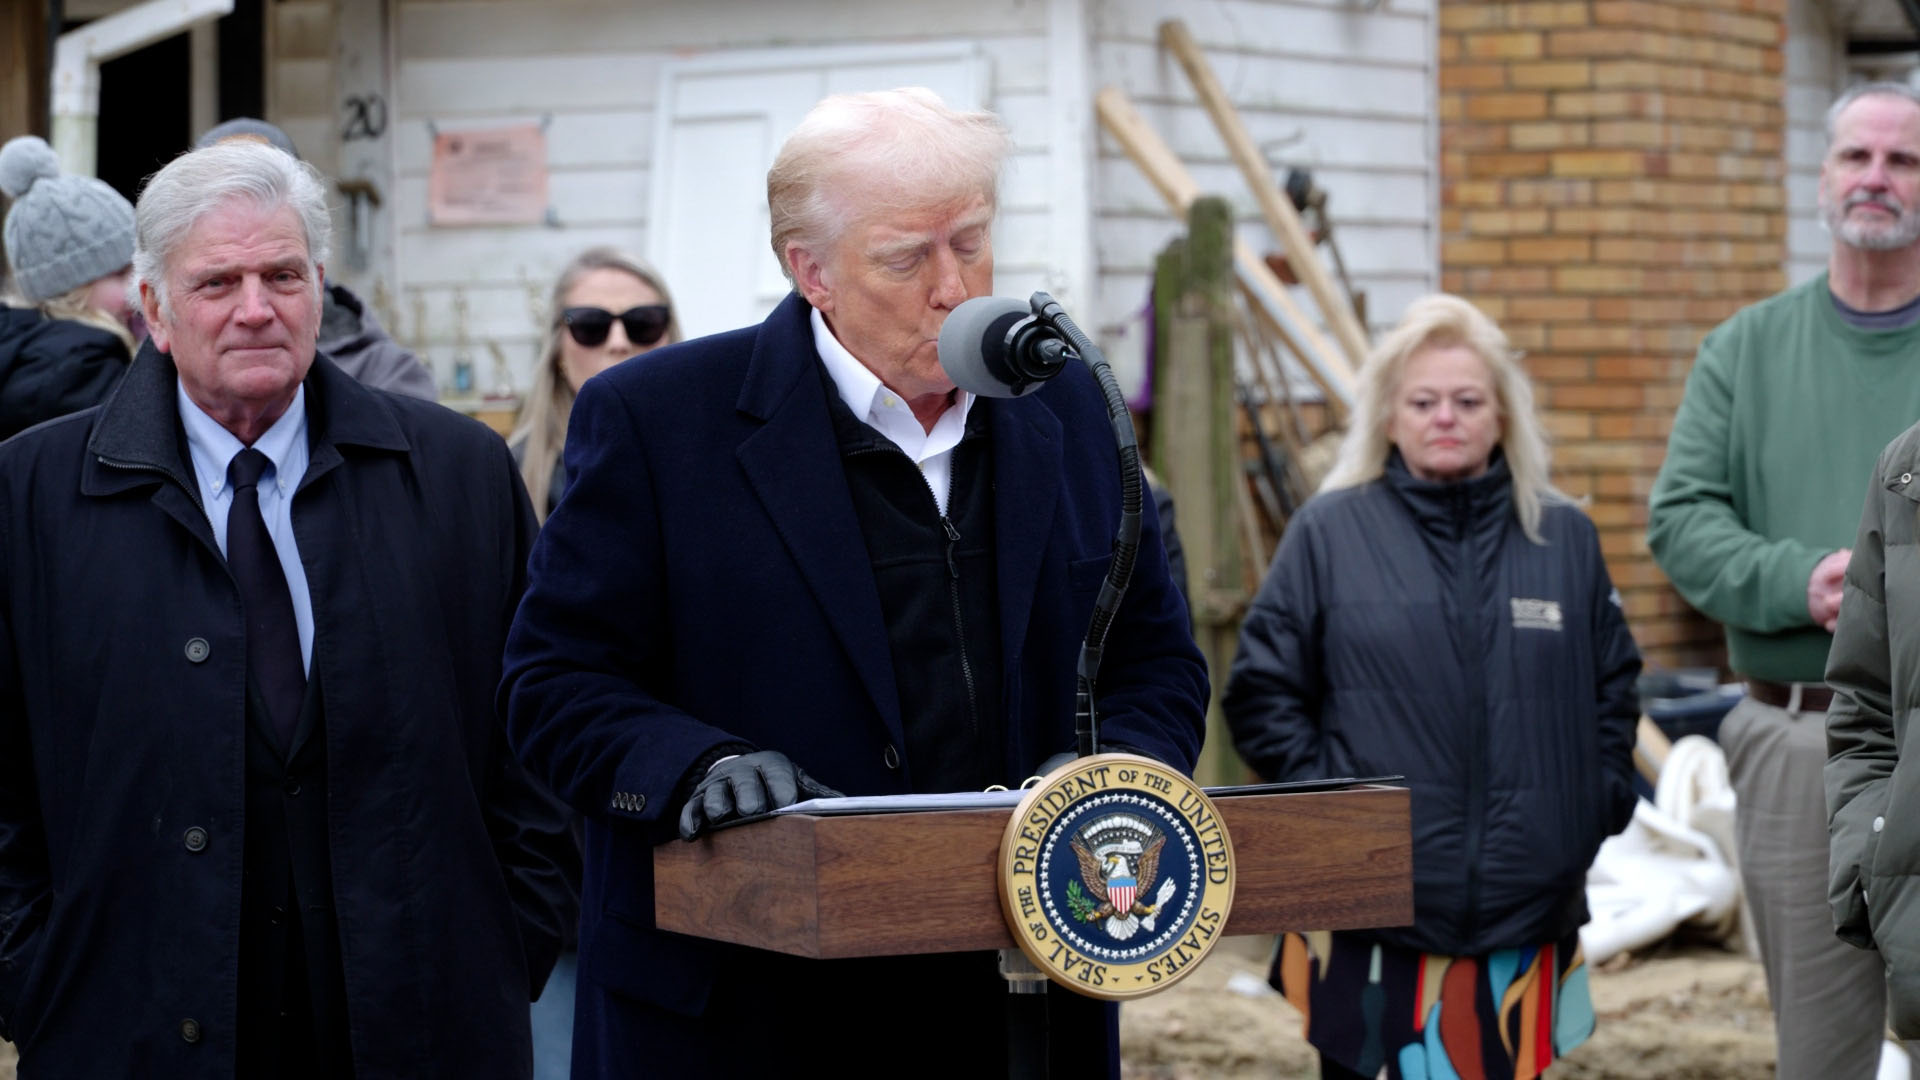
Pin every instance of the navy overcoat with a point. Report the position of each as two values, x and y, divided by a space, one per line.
123 734
704 581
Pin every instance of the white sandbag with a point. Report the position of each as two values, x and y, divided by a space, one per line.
1655 876
1894 1062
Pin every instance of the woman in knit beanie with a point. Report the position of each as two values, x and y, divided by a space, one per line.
66 327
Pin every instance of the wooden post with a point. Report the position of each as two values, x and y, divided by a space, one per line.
24 84
23 79
1195 445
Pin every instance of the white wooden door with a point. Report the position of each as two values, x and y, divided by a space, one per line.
720 120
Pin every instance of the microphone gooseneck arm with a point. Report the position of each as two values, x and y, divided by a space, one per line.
1126 543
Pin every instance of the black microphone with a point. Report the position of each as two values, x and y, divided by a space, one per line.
996 347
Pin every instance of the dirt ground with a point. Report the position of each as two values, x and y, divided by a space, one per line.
1673 1013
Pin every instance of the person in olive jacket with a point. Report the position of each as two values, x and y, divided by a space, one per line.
1874 851
1441 612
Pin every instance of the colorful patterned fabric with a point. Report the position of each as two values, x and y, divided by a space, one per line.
1503 1016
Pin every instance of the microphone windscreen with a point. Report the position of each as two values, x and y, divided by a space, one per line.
973 346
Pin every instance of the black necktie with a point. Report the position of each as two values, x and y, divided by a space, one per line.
273 639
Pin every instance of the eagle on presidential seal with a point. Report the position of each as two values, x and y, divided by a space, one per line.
1120 876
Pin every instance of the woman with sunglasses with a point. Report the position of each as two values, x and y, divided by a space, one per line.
607 306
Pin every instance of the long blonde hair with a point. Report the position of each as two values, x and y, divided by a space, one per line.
74 306
1444 321
542 424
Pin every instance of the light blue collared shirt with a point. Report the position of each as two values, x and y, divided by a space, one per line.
285 444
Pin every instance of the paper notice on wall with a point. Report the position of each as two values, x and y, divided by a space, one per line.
495 176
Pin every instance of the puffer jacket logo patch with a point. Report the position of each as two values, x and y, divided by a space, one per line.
1535 614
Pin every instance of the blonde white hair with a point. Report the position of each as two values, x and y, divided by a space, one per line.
542 423
1437 322
856 154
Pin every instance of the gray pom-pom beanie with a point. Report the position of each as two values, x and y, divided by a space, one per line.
63 230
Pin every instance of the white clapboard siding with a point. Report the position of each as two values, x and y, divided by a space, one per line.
590 71
555 82
1132 244
1297 136
591 138
499 255
1392 32
592 197
468 28
1343 88
1347 90
1377 196
1816 71
1281 84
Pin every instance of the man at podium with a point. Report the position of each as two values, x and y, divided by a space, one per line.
795 558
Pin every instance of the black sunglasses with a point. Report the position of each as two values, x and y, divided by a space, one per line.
591 325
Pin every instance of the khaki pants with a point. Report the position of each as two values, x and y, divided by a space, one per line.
1829 999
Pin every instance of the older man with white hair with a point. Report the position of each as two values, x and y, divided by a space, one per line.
258 817
796 550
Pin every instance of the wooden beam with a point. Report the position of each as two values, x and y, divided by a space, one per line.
23 87
1279 212
1327 363
24 78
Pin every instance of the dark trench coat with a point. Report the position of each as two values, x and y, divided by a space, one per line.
123 732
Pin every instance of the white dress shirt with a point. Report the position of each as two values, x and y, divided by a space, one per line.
885 412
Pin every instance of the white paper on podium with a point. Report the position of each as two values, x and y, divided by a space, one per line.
899 804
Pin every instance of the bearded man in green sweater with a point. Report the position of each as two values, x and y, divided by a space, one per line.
1786 410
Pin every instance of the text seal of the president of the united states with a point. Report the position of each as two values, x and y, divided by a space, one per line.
1116 875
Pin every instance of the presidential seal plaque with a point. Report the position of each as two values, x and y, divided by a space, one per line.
1116 875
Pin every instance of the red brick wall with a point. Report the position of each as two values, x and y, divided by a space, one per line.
1612 186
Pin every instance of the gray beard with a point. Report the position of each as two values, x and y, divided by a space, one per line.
1902 233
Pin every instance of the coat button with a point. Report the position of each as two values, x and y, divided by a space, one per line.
195 839
190 1030
1879 823
891 757
197 649
291 787
1906 478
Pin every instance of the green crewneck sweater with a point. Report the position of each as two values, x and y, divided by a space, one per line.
1786 410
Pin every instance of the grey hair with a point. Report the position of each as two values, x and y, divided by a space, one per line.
1443 321
540 431
878 152
199 182
1867 89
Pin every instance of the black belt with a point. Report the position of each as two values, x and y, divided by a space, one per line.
1814 697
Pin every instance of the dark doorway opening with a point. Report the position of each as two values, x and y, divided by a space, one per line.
146 116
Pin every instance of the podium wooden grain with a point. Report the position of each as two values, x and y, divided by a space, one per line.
891 884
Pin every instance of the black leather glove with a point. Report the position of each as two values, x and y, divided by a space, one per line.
744 786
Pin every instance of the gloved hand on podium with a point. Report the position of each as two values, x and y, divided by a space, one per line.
744 786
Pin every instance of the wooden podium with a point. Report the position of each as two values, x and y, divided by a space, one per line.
834 886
